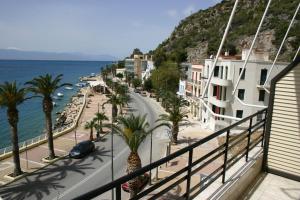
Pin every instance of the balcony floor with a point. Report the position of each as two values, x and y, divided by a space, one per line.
276 188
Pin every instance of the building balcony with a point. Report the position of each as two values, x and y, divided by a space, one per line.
221 82
218 103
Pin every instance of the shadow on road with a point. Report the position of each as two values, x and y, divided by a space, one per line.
42 182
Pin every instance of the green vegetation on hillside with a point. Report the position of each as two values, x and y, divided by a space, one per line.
207 26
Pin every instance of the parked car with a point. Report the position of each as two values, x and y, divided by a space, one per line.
144 179
152 95
144 93
82 149
137 90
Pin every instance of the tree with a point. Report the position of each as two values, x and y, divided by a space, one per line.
10 97
134 130
99 118
136 82
136 51
175 115
166 77
148 85
45 87
114 100
119 75
90 125
123 101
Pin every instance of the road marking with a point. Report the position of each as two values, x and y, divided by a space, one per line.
89 177
55 149
34 162
6 163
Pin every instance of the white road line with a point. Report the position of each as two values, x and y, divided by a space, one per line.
34 162
55 149
8 163
89 177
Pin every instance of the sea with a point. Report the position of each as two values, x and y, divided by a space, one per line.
31 116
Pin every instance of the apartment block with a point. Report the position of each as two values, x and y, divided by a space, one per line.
250 94
190 87
140 65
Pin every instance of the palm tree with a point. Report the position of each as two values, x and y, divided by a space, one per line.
114 100
90 125
123 101
176 115
11 96
45 87
100 117
134 130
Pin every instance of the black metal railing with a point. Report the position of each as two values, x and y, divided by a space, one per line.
251 136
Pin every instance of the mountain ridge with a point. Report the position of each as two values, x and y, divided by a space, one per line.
198 36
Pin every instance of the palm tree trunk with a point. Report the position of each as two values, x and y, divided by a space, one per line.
114 112
175 130
133 164
47 107
13 121
91 134
101 130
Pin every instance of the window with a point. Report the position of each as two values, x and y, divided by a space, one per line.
192 76
261 95
239 113
263 76
215 90
241 94
243 75
226 72
216 71
221 72
196 76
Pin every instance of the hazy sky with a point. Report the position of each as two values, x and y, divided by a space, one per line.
112 27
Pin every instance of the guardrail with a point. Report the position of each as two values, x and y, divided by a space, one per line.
33 142
222 152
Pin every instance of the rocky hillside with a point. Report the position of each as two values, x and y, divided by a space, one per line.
199 35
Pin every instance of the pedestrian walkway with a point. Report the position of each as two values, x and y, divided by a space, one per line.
31 160
188 134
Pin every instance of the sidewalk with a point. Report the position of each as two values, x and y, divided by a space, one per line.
31 160
189 133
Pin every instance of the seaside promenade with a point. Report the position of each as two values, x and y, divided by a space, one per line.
31 159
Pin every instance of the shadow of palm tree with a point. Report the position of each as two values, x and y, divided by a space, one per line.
42 182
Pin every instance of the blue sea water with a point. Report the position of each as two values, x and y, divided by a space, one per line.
31 116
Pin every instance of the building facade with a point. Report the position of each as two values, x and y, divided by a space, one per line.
190 87
139 65
250 96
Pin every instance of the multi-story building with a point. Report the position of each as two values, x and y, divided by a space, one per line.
129 65
140 65
190 87
250 96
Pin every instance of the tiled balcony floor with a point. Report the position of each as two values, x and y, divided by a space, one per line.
276 188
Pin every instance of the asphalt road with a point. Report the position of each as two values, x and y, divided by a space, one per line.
68 178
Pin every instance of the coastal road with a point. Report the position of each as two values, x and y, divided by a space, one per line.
68 178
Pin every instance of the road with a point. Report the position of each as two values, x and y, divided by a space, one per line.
68 178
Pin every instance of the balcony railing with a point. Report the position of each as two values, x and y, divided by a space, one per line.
195 165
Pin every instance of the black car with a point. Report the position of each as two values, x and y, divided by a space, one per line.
81 149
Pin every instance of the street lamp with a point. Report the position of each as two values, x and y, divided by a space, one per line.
112 142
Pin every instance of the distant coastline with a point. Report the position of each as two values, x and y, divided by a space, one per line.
14 54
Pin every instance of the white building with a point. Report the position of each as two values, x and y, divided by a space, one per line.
219 99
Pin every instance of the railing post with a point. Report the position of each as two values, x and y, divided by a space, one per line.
188 180
248 141
264 129
225 156
118 192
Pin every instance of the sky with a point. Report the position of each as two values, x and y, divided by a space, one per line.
113 27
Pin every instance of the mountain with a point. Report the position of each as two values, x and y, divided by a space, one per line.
199 35
14 54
